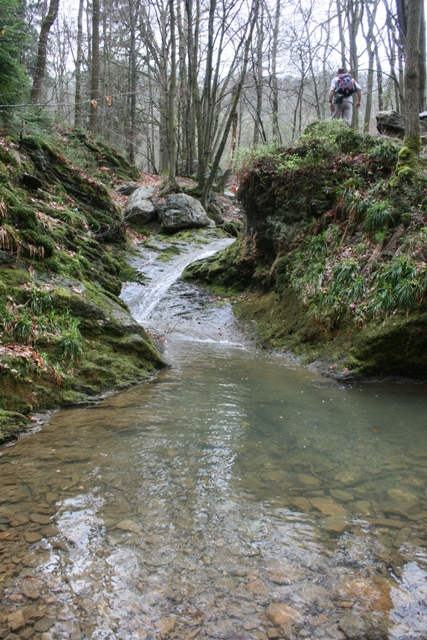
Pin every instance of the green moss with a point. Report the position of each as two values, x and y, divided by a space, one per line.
14 278
84 340
89 154
407 169
11 424
227 268
23 217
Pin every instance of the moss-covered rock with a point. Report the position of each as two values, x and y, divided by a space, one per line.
103 217
11 424
64 332
333 254
408 166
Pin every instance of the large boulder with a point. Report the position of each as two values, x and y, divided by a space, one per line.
127 189
140 207
392 123
181 211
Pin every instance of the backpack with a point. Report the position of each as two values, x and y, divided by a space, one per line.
344 87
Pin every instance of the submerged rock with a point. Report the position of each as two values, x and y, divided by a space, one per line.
166 625
371 626
285 574
328 507
400 502
368 594
129 525
285 617
336 525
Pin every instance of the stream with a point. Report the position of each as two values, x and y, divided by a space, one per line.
236 495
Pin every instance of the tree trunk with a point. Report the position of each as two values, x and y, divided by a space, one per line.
370 45
258 76
42 51
404 8
341 33
379 81
234 124
422 63
354 17
78 111
131 141
407 165
207 107
193 100
412 120
274 82
95 69
172 183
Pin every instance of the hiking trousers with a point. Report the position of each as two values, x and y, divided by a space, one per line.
343 110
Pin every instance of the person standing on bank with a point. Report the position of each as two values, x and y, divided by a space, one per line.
341 95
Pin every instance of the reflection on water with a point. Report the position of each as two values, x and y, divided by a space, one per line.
234 496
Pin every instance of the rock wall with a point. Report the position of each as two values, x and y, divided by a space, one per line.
65 335
333 257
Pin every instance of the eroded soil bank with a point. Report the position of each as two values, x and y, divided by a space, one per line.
333 258
66 336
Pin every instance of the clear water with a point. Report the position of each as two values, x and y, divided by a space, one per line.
236 495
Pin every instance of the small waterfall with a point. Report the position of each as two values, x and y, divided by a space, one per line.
142 299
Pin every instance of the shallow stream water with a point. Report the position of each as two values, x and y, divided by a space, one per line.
236 495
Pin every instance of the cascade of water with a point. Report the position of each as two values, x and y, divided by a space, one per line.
143 298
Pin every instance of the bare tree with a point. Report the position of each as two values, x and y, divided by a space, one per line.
371 12
412 120
422 62
274 82
40 69
247 41
78 111
95 68
258 80
172 184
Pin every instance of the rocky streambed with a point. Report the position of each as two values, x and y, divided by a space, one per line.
234 496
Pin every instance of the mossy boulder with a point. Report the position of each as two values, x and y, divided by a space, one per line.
11 424
333 256
105 220
64 332
115 350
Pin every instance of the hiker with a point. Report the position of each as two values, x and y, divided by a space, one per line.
341 95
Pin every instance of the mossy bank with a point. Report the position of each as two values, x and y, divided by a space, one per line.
65 335
332 263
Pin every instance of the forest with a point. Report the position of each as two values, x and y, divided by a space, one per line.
186 87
